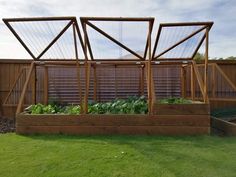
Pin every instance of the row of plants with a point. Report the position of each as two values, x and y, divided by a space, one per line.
131 105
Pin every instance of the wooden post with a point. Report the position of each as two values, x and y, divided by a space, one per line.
192 83
45 85
77 65
87 81
149 72
206 67
183 82
87 71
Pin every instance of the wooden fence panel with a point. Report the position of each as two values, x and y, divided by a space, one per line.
127 82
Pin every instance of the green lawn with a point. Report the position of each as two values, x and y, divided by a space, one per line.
123 156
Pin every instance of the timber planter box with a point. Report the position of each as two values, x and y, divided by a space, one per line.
181 109
223 127
91 124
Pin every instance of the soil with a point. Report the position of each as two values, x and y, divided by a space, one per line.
6 125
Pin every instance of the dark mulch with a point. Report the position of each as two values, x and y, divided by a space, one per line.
6 125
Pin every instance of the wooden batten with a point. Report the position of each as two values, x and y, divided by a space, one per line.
205 96
21 101
198 77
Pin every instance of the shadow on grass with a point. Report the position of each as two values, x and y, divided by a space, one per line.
125 139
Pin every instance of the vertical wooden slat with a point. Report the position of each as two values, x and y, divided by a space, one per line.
116 84
149 72
206 67
213 81
87 71
14 86
34 85
87 67
183 82
94 83
192 84
142 80
45 85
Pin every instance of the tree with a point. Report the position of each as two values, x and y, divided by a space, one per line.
231 58
199 56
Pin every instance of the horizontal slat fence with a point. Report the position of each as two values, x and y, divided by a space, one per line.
112 82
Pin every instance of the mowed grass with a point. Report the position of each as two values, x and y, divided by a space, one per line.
116 156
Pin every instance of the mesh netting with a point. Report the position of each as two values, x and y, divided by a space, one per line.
131 34
37 35
172 35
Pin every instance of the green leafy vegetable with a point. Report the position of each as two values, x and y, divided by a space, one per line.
131 105
174 100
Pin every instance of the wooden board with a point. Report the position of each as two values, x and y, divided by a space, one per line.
181 109
114 124
225 127
112 120
110 130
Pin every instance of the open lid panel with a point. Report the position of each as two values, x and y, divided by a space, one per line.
48 38
179 40
116 38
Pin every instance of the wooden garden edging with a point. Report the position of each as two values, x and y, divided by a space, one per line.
113 124
223 127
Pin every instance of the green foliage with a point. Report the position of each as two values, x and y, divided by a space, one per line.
175 101
71 109
42 109
199 56
230 58
53 109
131 105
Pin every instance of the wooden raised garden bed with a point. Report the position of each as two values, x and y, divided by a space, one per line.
182 109
113 124
223 127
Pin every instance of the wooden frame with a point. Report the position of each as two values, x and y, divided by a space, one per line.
205 26
87 21
72 22
113 124
103 124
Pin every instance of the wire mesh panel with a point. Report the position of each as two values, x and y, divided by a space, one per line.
63 84
118 82
131 34
48 37
179 40
40 76
167 81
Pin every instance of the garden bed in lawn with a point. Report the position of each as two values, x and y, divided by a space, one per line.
117 117
113 124
223 121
